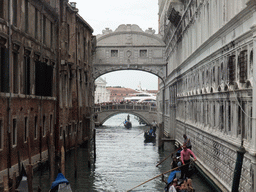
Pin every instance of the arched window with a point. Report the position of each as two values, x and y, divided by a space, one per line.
231 68
251 64
242 66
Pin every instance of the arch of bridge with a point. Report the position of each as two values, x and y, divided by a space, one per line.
145 116
129 48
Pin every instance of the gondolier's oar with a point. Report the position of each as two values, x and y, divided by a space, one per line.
138 134
120 124
158 176
168 156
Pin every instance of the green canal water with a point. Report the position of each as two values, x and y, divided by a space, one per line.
123 161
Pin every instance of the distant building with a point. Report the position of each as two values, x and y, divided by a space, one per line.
101 93
119 93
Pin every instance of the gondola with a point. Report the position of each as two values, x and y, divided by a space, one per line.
149 137
61 184
128 124
22 181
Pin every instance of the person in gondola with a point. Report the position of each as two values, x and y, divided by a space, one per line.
151 131
154 124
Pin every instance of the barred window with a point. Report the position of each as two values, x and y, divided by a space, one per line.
231 68
114 53
143 53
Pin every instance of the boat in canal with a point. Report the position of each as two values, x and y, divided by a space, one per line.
149 137
61 184
128 124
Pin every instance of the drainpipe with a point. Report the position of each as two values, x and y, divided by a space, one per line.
253 28
9 164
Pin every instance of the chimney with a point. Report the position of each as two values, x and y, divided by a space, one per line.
73 4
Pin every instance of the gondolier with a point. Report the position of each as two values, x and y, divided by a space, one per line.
185 159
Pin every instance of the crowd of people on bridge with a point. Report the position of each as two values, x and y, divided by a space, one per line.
180 179
125 102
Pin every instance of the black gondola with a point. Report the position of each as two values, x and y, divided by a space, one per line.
128 124
149 137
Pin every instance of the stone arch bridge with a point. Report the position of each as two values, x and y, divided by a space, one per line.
146 112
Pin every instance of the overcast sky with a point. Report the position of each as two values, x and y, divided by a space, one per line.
101 14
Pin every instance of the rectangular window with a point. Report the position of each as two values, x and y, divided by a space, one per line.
44 128
26 130
36 23
15 73
221 116
26 74
35 126
61 130
2 9
44 29
14 7
143 53
51 125
4 70
26 16
68 36
114 53
43 79
14 132
1 134
229 116
84 49
69 129
51 38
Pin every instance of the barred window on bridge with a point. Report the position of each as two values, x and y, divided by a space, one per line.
114 53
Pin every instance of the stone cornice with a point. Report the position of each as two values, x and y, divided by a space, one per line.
131 32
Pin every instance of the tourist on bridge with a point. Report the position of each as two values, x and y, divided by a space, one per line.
187 142
185 159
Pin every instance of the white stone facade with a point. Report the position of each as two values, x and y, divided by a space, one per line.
101 93
209 92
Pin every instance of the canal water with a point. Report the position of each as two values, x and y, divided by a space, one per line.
123 161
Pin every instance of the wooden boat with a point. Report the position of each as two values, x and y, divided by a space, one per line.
149 137
22 181
128 124
61 184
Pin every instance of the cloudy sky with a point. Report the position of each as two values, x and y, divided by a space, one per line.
101 14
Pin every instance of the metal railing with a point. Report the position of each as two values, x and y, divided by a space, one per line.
124 107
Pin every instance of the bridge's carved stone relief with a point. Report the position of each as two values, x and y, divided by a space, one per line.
129 48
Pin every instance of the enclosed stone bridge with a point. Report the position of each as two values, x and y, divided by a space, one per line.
146 112
129 48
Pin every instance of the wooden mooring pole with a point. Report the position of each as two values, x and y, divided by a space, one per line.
62 160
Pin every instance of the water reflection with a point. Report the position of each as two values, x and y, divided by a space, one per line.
123 161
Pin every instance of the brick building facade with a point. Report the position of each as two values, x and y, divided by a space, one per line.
46 85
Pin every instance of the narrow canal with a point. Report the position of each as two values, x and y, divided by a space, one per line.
123 162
